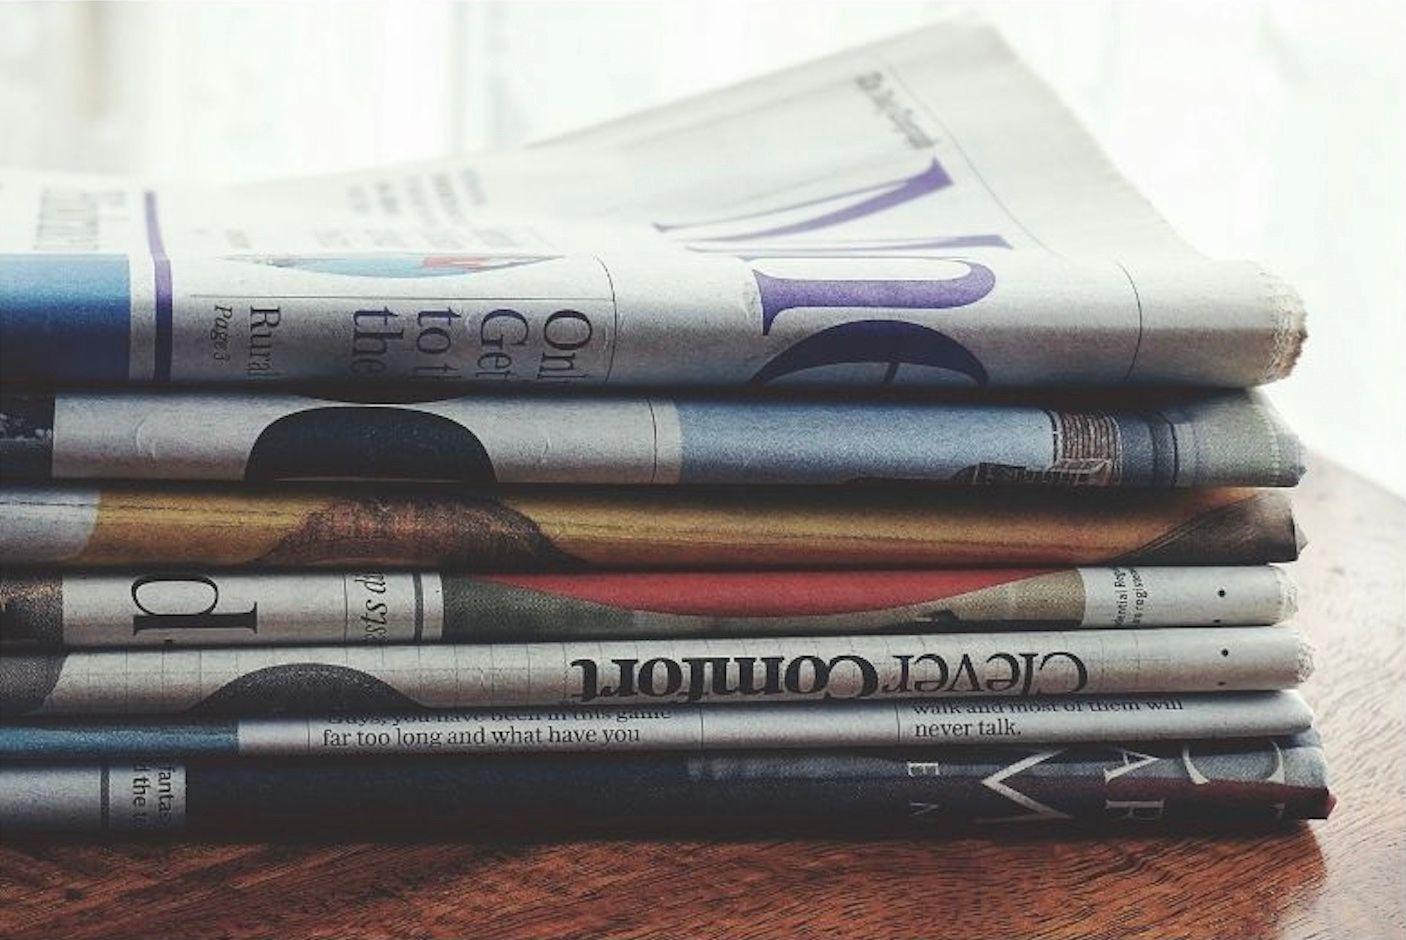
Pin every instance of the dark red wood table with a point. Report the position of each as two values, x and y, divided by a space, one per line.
1342 878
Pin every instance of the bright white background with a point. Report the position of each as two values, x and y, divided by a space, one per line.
1269 130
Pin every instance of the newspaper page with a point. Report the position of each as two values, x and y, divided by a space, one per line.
309 679
678 727
647 528
1226 439
156 607
917 212
1119 786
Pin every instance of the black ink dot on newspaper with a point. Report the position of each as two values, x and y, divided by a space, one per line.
1220 593
1225 652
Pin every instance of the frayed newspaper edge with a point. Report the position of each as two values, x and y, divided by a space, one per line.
1288 593
1290 326
1303 660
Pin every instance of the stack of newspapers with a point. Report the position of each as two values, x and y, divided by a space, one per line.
852 446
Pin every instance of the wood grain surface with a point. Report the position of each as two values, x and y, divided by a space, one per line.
1345 877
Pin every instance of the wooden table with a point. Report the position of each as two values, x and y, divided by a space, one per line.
1342 878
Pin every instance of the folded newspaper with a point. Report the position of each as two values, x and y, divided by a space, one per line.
306 679
674 727
579 528
158 607
1125 786
1226 439
920 211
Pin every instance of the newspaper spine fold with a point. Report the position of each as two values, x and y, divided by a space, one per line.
673 528
257 680
679 727
56 610
1131 785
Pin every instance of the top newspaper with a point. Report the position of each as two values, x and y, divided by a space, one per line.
919 212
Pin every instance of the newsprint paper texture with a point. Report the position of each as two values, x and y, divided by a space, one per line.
56 609
1208 440
582 528
1123 786
240 681
1068 719
917 212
